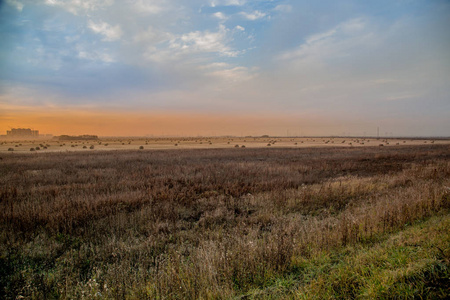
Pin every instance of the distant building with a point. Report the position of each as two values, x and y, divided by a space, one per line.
22 132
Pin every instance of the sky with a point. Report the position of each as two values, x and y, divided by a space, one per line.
225 67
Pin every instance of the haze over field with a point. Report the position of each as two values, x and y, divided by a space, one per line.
218 67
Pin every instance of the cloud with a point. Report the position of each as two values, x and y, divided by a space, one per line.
240 28
228 73
16 4
215 3
110 33
337 41
196 42
254 15
152 36
320 36
96 55
80 6
220 15
149 7
402 97
361 63
206 41
285 8
233 75
215 66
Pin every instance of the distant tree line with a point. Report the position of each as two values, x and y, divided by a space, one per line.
79 137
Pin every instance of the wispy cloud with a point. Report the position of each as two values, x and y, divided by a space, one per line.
110 33
228 73
220 15
233 75
215 3
204 41
148 7
285 8
191 43
96 55
334 42
151 36
16 4
255 15
402 97
80 6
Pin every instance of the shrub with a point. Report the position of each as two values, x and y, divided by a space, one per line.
91 147
10 149
32 149
141 147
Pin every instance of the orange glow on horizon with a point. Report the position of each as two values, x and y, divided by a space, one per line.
115 123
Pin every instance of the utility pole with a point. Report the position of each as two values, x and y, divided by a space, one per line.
378 133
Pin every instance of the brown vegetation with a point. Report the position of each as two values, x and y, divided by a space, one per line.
200 223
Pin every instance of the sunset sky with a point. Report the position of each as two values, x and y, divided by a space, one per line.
217 67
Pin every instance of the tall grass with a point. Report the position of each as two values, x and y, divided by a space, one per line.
200 223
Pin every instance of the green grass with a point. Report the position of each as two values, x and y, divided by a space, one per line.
412 263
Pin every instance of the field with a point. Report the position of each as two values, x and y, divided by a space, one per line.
289 221
124 143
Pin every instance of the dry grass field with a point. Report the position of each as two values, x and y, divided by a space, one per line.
130 143
286 221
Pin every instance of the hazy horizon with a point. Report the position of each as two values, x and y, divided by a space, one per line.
225 67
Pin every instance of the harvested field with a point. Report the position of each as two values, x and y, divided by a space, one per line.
130 143
220 223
